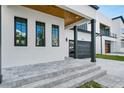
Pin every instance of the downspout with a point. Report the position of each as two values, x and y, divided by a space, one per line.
75 42
101 42
0 47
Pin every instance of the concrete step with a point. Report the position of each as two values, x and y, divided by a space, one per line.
34 77
50 82
81 80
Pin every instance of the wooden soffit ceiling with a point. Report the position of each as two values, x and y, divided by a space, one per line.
68 17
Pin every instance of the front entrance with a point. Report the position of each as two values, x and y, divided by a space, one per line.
107 46
84 49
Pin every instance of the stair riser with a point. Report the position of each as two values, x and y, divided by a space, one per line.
19 83
59 81
89 79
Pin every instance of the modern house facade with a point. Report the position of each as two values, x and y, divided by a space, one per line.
112 34
33 34
37 34
23 48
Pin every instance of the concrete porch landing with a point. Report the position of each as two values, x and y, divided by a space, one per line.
66 73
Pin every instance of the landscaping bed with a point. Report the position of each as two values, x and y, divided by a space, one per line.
91 84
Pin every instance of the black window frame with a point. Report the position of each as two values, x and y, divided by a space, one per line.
84 26
15 20
36 34
103 31
58 35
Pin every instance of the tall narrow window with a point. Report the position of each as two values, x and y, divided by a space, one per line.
40 34
55 35
20 31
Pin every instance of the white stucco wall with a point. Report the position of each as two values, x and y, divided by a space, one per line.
80 36
98 45
17 56
121 36
103 19
117 26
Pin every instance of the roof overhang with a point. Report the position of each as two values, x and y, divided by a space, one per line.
121 17
94 7
69 17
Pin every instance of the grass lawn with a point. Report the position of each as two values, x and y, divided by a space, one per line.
112 57
91 84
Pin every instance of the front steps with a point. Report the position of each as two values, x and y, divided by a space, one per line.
70 73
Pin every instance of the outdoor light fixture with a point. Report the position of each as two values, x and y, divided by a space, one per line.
66 39
77 17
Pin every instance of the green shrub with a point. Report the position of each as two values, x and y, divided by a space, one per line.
91 84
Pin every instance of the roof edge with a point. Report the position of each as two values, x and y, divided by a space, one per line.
94 7
121 17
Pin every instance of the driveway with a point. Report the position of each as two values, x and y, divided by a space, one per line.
112 67
115 73
116 54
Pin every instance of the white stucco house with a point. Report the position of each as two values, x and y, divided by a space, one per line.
32 34
112 34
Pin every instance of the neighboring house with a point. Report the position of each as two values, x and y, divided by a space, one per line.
118 28
112 36
109 34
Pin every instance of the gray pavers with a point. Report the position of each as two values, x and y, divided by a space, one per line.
111 81
51 74
115 73
113 67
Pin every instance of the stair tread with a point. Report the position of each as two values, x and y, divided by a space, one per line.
82 79
28 75
46 81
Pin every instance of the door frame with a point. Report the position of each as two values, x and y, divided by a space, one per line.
108 45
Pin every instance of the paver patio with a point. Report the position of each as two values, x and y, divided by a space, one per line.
114 77
113 67
115 73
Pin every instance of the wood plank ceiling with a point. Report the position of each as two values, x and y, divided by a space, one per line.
68 17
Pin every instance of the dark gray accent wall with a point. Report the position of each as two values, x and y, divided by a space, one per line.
83 49
0 47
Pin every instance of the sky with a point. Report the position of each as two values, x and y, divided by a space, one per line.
112 11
